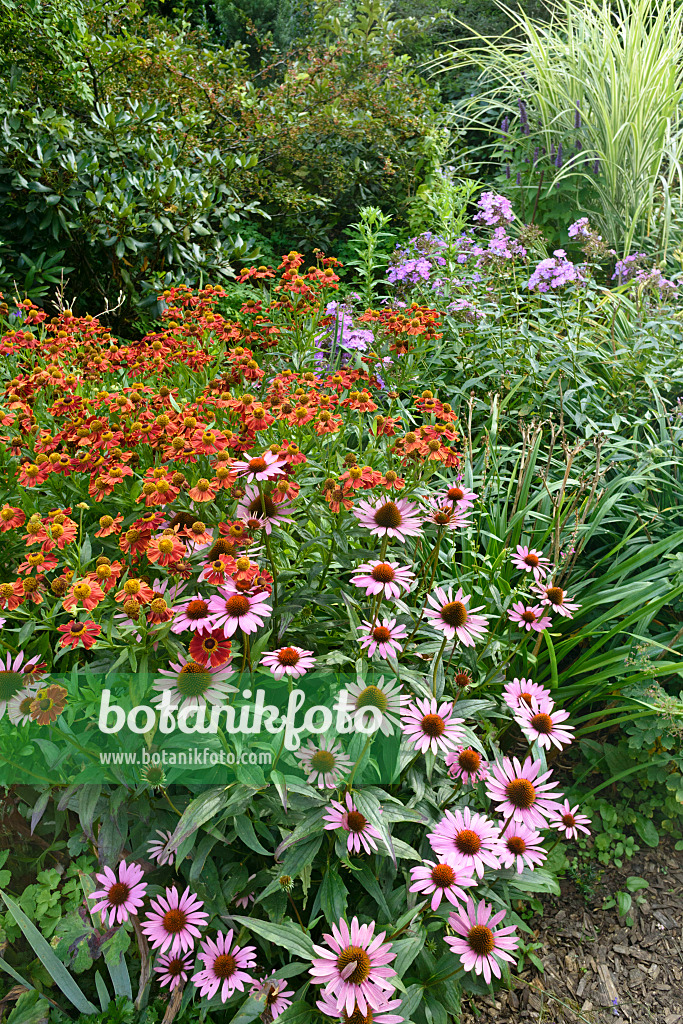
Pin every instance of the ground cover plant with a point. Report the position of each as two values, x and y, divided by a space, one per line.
308 595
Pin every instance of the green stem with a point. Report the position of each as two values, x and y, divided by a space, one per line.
436 664
368 741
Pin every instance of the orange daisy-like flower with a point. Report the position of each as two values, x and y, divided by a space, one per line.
11 595
136 589
115 474
106 575
11 518
165 550
37 560
340 496
48 704
135 540
33 589
109 525
86 593
158 610
203 490
59 534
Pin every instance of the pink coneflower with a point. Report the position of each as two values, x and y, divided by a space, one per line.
289 661
442 513
569 822
361 833
543 725
460 497
225 967
156 848
234 610
530 560
521 793
479 947
520 846
398 519
188 684
450 614
555 598
529 616
353 970
467 764
275 994
428 725
262 467
19 706
378 1015
14 675
384 637
448 878
324 763
193 614
523 691
260 511
174 922
120 897
388 578
173 969
388 698
468 838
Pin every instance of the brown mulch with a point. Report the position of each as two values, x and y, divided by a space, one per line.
595 968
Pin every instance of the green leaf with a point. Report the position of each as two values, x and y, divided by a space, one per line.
333 896
30 1008
624 902
53 966
288 935
297 1013
406 950
245 830
646 830
634 883
537 880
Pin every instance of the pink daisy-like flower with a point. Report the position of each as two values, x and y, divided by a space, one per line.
448 878
442 513
275 994
193 614
289 661
388 698
14 675
479 947
555 598
388 578
397 519
467 764
262 467
521 793
156 848
190 685
120 897
472 839
568 821
523 691
428 725
361 833
543 725
246 898
260 511
529 616
233 610
354 969
174 922
324 763
530 560
382 637
460 497
173 969
378 1015
225 967
520 846
450 614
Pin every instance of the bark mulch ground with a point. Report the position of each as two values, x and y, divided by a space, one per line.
597 969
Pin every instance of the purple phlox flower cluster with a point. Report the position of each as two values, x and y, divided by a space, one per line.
554 273
626 268
654 278
465 310
494 210
415 263
580 228
342 334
